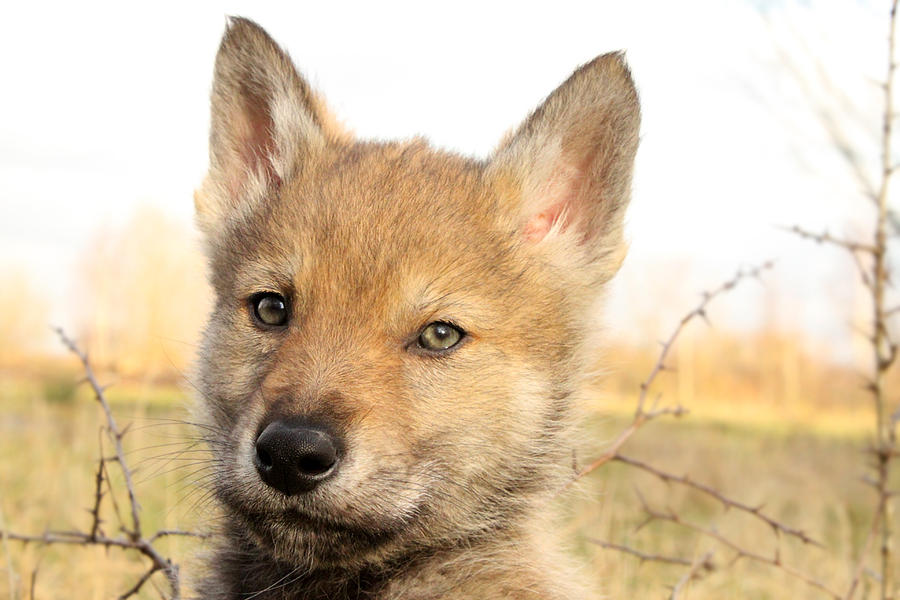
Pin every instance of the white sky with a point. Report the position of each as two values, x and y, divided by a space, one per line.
104 107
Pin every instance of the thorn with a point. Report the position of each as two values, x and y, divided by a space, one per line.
702 314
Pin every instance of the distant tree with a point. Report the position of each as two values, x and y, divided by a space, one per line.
145 295
23 316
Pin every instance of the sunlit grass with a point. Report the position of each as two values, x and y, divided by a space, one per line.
807 479
48 457
803 460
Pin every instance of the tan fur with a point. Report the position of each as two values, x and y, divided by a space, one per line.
450 459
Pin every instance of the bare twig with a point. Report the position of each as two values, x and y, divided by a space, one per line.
692 574
112 494
755 511
177 532
98 494
641 414
883 351
827 238
11 575
72 537
133 538
707 564
32 590
139 583
860 566
158 562
863 271
115 433
740 552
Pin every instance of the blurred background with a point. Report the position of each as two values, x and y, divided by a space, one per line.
758 116
104 123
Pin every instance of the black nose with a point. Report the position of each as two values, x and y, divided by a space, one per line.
294 458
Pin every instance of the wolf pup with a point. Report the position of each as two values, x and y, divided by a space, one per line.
398 335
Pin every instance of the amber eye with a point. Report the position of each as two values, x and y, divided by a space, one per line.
270 308
440 336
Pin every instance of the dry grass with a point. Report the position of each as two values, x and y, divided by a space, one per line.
751 434
808 479
49 440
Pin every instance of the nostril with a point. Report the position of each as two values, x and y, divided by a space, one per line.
263 458
316 464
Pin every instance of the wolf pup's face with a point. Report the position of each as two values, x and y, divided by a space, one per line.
398 331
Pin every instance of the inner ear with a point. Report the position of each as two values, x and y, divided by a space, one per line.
553 204
256 138
572 159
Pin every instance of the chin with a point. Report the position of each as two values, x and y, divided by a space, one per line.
315 539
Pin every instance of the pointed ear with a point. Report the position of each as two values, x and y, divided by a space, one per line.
265 120
572 159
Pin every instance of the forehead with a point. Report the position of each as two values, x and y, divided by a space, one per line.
390 189
371 213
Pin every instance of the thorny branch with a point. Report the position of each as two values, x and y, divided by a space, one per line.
692 574
707 563
133 590
855 249
875 276
755 511
133 537
99 479
641 414
827 238
884 352
740 552
860 565
4 542
697 567
114 432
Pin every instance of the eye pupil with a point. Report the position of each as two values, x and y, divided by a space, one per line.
439 336
270 308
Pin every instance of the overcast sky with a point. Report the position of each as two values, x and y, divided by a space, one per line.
105 108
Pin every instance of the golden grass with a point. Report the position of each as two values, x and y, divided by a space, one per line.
48 454
806 479
756 437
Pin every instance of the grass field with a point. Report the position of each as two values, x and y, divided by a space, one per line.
804 465
806 478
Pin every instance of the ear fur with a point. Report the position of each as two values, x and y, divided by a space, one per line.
572 160
265 119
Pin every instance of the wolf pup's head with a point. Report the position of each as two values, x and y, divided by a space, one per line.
398 331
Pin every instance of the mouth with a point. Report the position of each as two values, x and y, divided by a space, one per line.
326 528
297 519
291 534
